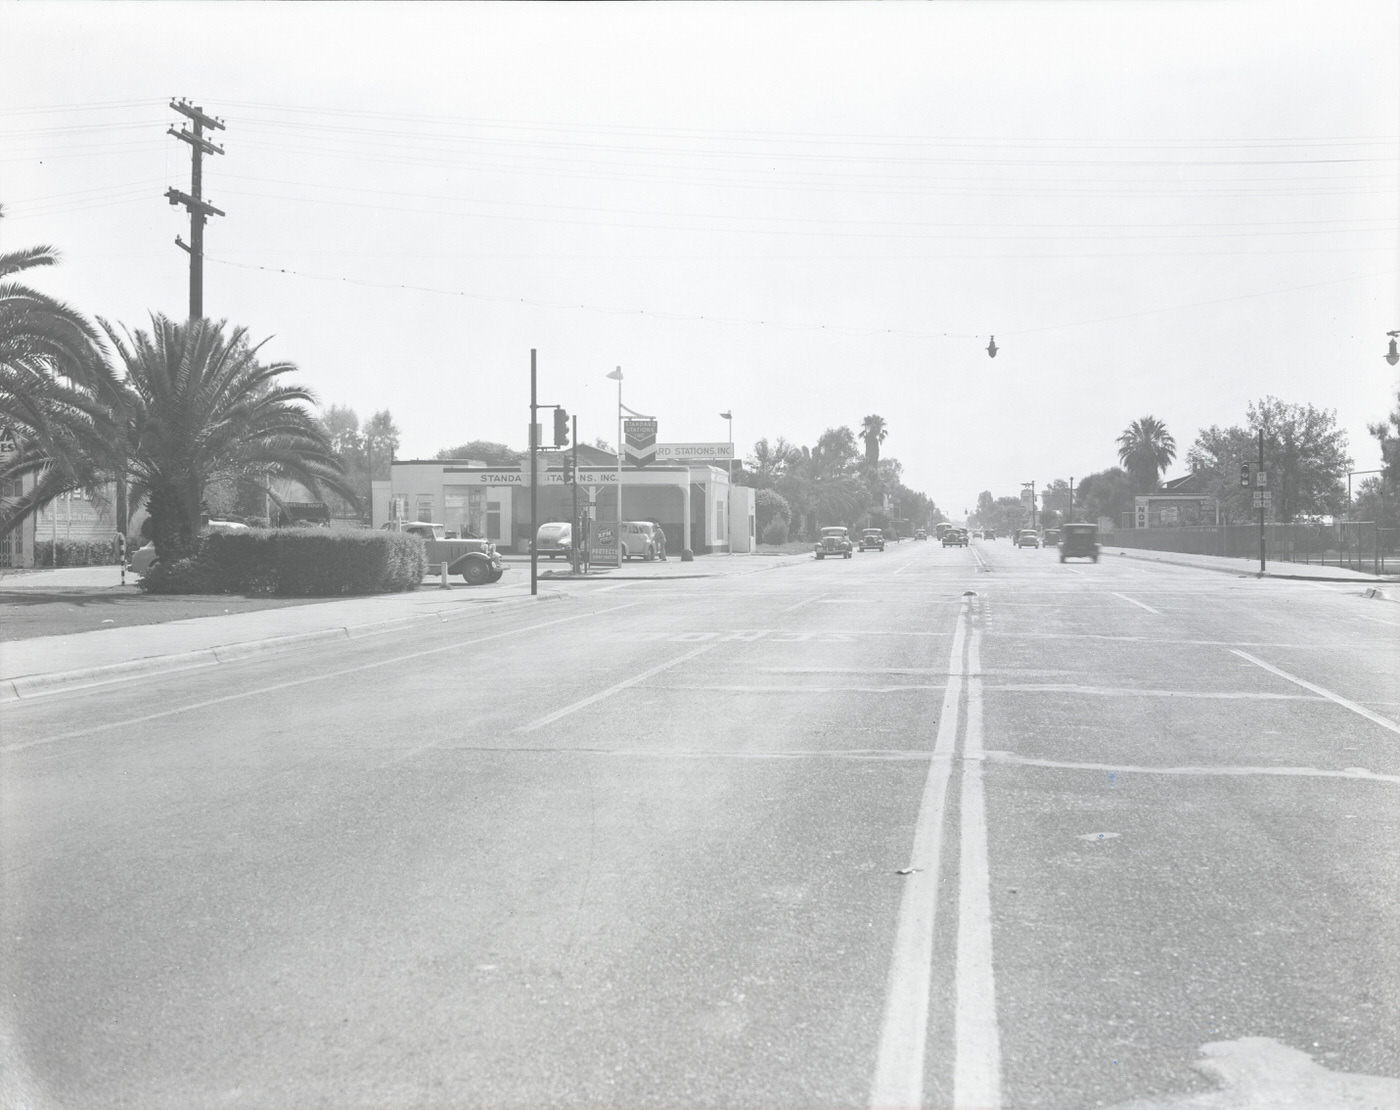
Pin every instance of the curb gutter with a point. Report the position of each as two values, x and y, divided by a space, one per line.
37 685
1243 573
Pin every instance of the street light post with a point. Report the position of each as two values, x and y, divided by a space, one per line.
616 376
728 417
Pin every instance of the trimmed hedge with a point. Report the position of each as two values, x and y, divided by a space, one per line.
75 553
296 562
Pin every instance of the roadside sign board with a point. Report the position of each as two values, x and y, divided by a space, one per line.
603 546
1263 499
1261 479
694 452
640 436
8 444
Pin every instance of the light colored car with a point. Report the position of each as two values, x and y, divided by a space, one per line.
872 537
1027 537
638 540
555 538
144 557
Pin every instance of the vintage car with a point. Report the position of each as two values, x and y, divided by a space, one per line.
1027 537
1079 541
639 540
955 537
1051 538
834 541
872 537
555 538
920 534
477 561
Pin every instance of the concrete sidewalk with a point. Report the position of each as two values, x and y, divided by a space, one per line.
47 664
1250 567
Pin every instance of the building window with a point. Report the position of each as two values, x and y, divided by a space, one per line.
425 507
493 521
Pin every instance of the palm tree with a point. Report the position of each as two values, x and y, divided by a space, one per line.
1146 449
198 408
51 371
873 431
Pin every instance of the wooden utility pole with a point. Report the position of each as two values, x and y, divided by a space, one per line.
194 200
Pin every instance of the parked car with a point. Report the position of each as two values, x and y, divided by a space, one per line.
144 557
955 537
476 560
834 541
1027 537
872 537
638 540
1079 541
555 538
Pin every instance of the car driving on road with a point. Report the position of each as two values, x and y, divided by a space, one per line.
835 541
872 537
1079 541
1027 537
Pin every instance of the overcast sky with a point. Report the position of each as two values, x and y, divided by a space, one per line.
804 213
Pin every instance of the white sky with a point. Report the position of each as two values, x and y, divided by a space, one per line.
801 212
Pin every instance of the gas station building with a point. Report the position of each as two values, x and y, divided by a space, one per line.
691 499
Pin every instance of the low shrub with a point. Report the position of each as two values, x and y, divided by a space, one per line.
296 562
75 553
776 532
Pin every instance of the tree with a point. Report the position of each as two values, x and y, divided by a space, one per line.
51 373
1146 449
481 450
381 442
768 462
198 408
1390 442
873 431
1305 458
1108 493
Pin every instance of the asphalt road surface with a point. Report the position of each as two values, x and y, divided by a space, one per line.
929 827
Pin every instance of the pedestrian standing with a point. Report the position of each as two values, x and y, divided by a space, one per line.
660 540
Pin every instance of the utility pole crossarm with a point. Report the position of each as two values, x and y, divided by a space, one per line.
195 140
196 113
193 203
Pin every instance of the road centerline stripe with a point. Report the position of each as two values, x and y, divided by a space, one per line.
617 688
977 1039
1384 722
899 1066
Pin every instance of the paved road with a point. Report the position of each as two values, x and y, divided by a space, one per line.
927 827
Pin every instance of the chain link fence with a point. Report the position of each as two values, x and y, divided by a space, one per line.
1360 545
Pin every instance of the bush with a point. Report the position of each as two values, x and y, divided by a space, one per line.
776 532
75 553
769 505
296 563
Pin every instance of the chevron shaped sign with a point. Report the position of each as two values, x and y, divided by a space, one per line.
641 441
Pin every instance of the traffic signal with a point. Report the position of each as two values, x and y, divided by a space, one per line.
561 428
1244 474
569 474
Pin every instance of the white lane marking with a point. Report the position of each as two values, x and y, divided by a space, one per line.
1260 1073
899 1065
394 661
1360 773
977 1039
1384 722
1139 604
592 699
1129 692
804 601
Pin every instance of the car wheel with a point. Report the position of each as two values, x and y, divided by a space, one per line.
1095 558
819 554
1062 558
848 555
476 572
649 556
496 576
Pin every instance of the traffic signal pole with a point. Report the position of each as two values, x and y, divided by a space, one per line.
534 457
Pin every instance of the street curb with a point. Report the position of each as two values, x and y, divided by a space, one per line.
26 687
1242 573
